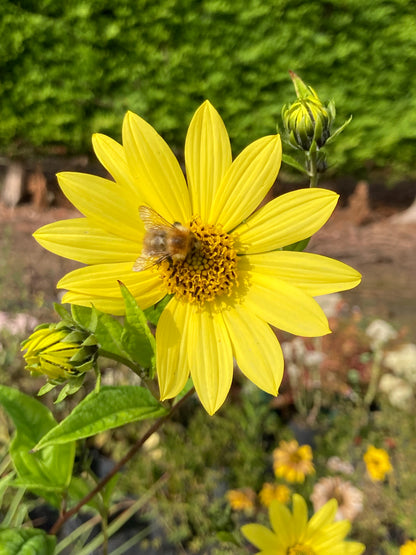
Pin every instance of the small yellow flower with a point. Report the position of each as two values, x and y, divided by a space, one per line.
230 283
241 499
293 462
269 492
293 534
378 463
409 548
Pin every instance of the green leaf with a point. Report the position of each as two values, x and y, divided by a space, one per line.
298 246
49 471
108 408
78 489
290 161
61 311
228 537
153 312
137 338
26 541
85 316
108 334
338 131
70 388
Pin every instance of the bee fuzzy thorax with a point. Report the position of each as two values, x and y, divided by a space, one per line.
197 263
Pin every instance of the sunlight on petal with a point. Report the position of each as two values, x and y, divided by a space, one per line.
210 356
79 240
313 273
284 306
102 280
108 305
156 169
247 181
207 157
171 356
102 202
285 220
256 349
112 156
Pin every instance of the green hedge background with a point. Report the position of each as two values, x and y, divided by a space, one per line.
68 69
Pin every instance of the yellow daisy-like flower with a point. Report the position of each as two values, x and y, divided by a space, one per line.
231 283
241 499
293 534
269 492
409 548
378 463
293 462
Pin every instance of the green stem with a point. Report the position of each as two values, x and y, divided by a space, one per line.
312 168
137 369
374 378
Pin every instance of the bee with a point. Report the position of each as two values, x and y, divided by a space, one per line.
162 240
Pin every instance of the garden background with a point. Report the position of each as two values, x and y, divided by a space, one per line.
69 69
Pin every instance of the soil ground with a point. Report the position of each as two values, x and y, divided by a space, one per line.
384 252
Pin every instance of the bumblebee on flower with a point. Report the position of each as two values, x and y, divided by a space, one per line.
230 282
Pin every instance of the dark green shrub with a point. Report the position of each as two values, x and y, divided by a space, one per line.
71 68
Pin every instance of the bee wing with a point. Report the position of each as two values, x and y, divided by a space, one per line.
151 219
146 262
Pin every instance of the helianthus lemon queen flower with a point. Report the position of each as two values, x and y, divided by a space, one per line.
378 463
292 461
293 534
232 284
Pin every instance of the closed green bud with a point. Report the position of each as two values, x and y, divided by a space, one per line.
59 352
306 120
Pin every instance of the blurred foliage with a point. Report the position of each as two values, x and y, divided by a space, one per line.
72 68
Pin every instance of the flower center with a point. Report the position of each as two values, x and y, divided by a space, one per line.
300 549
209 269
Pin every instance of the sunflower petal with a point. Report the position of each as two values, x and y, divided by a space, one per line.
283 305
210 356
208 157
102 201
102 280
116 307
300 514
112 156
334 534
79 240
171 356
156 169
282 523
324 517
246 182
312 273
286 219
256 349
261 537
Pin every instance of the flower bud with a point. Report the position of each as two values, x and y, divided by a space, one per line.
306 120
59 352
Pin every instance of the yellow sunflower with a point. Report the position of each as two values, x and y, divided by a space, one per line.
378 463
409 548
269 492
292 461
232 283
293 534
